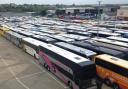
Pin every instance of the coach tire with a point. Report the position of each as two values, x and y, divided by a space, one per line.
116 86
35 56
70 85
25 50
45 66
99 83
48 68
107 82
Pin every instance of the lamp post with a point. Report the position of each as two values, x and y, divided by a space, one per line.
98 18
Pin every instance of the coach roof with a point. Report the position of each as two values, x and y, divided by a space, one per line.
84 51
32 41
68 55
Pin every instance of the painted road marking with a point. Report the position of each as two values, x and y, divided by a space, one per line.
53 77
30 75
57 81
17 79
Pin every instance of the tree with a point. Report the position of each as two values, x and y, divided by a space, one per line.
43 12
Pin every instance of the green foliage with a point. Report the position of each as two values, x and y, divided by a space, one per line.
23 8
43 12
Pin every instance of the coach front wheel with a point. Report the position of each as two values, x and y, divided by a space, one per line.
107 82
116 86
70 85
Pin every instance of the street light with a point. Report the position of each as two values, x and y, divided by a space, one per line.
98 18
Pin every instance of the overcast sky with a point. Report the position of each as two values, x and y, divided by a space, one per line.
63 1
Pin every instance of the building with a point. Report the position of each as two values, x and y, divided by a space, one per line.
79 10
122 13
86 12
91 11
109 12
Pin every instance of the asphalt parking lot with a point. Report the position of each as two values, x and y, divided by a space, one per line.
18 70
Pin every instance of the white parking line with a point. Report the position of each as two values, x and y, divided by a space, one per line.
30 75
17 79
37 65
53 77
58 81
22 83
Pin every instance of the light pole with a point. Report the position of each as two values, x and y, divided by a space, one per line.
98 18
99 6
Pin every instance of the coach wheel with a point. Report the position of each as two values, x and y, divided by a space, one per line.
35 56
70 85
107 82
48 68
40 64
116 86
45 65
99 83
25 50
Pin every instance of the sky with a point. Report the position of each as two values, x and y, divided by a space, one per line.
67 2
